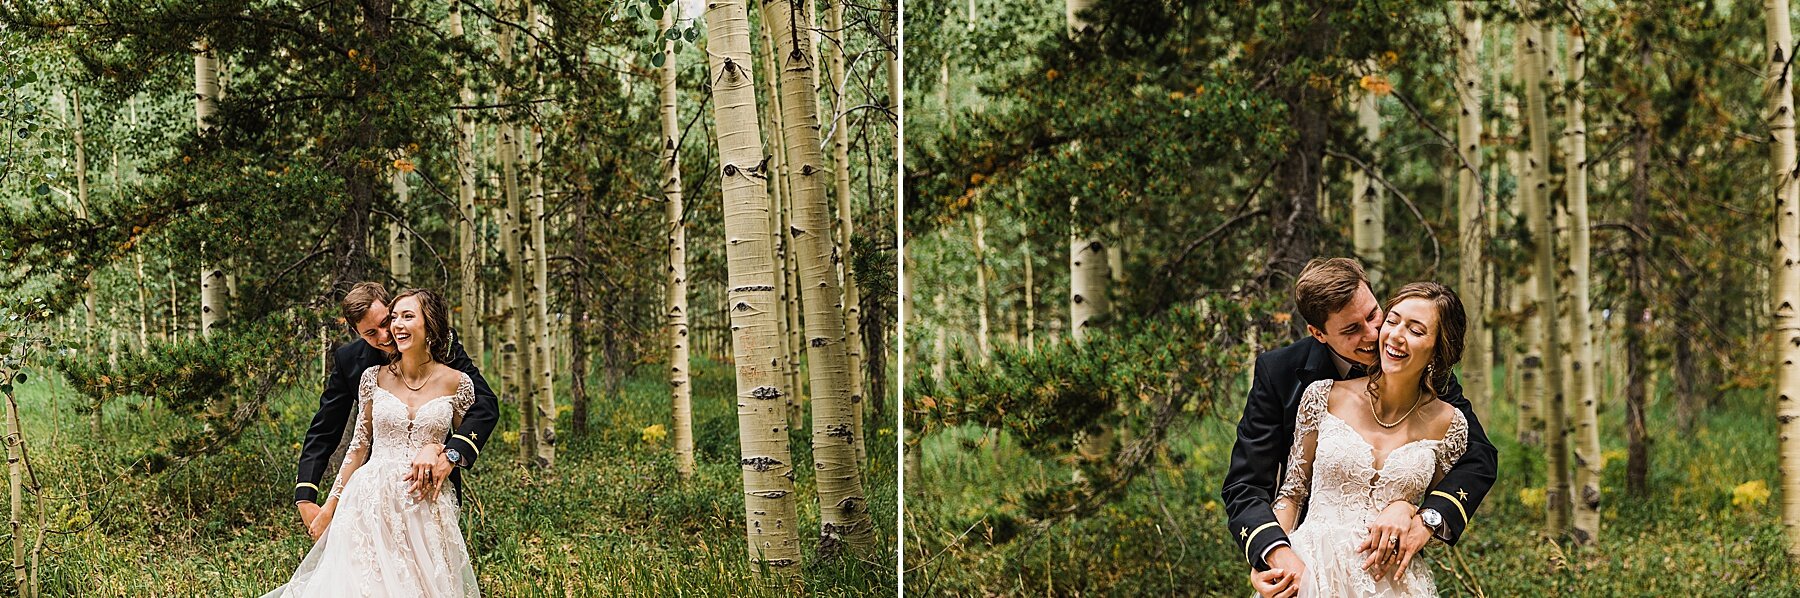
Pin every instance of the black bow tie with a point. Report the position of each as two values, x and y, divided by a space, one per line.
1357 370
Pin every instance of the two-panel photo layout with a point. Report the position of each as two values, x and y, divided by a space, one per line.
568 298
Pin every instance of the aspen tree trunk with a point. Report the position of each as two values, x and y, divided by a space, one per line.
81 212
468 262
1368 212
1087 253
1471 215
542 343
778 222
518 309
1542 222
681 397
1786 281
844 519
1030 288
846 229
1587 429
15 478
399 242
770 520
206 106
143 301
983 327
1530 357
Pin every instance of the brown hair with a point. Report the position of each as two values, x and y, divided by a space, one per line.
360 298
436 315
1325 286
1452 324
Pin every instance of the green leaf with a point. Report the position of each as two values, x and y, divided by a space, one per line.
657 59
20 378
5 389
672 34
42 189
693 33
656 12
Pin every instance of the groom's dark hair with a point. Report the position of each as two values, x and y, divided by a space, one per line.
360 298
1325 286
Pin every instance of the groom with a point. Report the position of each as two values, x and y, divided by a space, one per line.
1344 321
365 309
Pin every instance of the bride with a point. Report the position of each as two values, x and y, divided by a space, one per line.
391 542
1362 445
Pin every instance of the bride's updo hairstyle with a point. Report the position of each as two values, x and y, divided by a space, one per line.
436 315
1452 324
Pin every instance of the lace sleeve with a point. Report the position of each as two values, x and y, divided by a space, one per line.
359 439
465 397
1298 482
1456 441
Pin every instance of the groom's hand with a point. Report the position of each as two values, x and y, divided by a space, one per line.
1282 580
1388 543
429 468
308 512
1274 583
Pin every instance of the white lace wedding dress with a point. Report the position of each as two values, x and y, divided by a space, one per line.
1331 467
382 541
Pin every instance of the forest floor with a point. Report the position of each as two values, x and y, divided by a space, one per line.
612 520
1167 536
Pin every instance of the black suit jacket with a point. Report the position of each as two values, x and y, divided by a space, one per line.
1266 432
338 403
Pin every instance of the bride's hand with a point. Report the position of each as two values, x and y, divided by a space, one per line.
322 520
429 468
1385 543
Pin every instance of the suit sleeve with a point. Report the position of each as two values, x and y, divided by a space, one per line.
1461 490
1250 480
478 423
327 426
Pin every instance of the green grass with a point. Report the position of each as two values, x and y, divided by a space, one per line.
1167 535
613 519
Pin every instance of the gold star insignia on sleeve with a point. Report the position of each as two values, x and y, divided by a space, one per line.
1244 533
474 435
1462 495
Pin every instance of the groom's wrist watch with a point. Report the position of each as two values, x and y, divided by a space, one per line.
454 457
1432 519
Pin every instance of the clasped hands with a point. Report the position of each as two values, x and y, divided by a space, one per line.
427 472
1396 535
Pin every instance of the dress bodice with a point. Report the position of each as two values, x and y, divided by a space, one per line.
397 431
1332 469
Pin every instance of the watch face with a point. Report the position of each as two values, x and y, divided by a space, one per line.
1431 517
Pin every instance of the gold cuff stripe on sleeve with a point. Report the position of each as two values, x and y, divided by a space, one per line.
472 446
1252 539
307 485
1459 505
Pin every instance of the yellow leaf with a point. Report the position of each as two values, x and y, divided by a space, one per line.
653 434
1749 494
1376 84
404 165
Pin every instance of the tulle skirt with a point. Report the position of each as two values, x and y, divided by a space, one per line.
1334 569
384 542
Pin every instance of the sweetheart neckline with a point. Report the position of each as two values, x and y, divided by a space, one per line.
1359 438
412 413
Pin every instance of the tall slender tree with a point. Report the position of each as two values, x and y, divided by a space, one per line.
681 392
1786 281
770 520
1585 396
1542 221
1368 212
844 519
1471 207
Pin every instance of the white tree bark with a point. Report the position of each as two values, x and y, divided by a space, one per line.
770 520
1583 366
681 396
1786 280
843 508
1543 226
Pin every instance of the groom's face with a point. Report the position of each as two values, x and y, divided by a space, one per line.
1354 330
373 327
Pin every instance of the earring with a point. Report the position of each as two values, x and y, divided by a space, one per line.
1430 371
